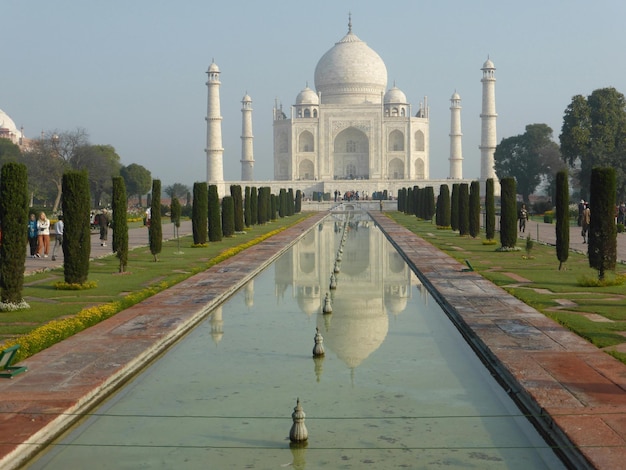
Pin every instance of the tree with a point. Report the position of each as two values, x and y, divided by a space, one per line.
175 211
429 203
490 210
138 180
14 217
235 192
454 207
508 214
298 206
254 205
102 163
177 190
281 203
77 232
594 135
49 157
247 208
228 216
463 209
524 156
215 216
602 230
200 213
562 218
155 230
9 152
474 209
120 222
443 206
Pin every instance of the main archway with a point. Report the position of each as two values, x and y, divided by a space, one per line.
351 155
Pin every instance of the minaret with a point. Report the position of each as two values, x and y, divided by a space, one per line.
214 150
488 129
456 149
247 152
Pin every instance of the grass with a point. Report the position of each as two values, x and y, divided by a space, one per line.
48 303
594 313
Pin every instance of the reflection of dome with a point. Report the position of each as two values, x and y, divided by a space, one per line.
309 299
396 298
395 95
307 96
359 326
351 72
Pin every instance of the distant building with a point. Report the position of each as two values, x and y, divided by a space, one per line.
8 130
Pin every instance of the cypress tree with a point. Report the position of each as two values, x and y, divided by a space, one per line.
602 238
254 205
454 207
445 205
298 207
235 192
155 231
120 222
200 213
291 202
268 203
281 203
508 214
408 209
14 217
429 203
562 218
77 233
274 205
228 216
247 216
215 216
474 209
463 209
490 210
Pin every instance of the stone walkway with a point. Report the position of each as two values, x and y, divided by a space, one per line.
567 384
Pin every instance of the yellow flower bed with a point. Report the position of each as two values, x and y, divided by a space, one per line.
58 330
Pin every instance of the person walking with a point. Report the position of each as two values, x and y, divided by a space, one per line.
103 221
585 221
523 217
32 235
58 239
43 236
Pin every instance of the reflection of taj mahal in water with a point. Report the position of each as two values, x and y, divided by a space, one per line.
380 285
352 132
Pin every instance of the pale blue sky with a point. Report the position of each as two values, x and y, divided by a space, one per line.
132 72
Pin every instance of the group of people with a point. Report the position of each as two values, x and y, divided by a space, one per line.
39 235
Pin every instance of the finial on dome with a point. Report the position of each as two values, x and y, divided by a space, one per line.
349 22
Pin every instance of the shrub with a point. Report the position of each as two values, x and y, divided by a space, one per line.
200 213
548 217
120 222
215 216
77 233
228 216
155 231
490 210
508 216
602 231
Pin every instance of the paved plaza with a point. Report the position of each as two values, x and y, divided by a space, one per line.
567 383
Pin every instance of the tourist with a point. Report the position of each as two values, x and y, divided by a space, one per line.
103 222
43 236
581 209
523 217
586 219
58 238
32 235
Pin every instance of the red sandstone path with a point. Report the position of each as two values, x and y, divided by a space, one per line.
568 383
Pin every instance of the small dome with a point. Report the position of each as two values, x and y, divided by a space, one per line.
307 96
395 95
246 99
455 96
488 65
213 67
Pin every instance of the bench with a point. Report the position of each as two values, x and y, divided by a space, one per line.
7 371
469 267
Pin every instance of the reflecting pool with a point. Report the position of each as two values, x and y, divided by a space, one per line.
398 386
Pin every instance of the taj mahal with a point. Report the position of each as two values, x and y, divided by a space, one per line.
352 132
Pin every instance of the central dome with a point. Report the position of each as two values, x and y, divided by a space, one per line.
351 73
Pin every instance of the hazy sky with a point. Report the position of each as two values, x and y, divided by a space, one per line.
133 72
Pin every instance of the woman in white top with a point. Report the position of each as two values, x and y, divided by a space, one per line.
43 234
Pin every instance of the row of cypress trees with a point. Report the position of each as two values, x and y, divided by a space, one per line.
212 219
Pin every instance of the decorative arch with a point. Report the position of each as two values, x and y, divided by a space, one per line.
306 142
351 154
419 141
419 169
306 170
395 142
396 169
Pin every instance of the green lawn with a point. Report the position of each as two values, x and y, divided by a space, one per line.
597 314
48 303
